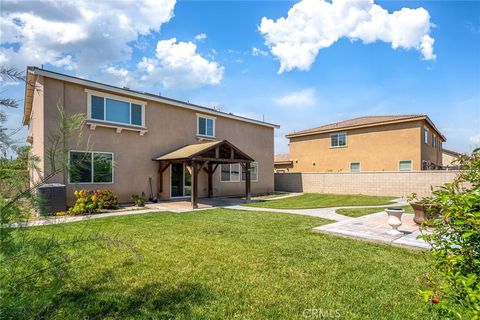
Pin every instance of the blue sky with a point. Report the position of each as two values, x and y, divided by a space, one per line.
225 56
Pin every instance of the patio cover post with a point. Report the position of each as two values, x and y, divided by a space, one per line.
247 182
194 196
210 180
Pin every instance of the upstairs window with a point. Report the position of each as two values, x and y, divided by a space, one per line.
434 141
425 137
338 140
205 126
90 167
109 108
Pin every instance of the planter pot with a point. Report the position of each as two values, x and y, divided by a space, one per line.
394 220
424 212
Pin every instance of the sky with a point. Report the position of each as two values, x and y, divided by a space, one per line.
299 64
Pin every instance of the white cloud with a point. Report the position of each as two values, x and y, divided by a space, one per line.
118 76
259 52
177 64
200 37
312 25
299 99
475 139
77 34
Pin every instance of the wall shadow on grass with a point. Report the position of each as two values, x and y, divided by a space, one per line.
99 300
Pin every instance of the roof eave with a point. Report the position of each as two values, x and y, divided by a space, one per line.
422 117
169 101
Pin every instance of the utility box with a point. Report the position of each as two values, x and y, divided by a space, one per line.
53 198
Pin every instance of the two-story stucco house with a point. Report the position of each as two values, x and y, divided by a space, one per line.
133 139
373 143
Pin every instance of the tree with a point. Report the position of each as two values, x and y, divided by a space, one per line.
454 282
32 266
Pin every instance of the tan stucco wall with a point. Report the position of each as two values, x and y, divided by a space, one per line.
448 158
376 148
398 184
283 167
168 128
36 131
429 153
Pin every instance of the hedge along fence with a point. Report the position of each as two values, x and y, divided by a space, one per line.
368 183
9 175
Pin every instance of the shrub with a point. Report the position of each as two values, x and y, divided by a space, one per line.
91 202
85 203
454 283
106 199
138 200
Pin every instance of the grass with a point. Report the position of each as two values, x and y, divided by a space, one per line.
316 200
219 264
358 212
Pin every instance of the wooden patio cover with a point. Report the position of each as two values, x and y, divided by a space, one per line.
205 156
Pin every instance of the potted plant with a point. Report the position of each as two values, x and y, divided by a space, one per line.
422 209
138 200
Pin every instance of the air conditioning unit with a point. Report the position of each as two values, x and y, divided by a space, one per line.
53 198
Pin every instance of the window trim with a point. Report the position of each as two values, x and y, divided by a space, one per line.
359 167
241 173
200 115
105 96
336 134
92 152
411 166
252 180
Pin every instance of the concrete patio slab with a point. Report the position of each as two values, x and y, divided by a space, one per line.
374 227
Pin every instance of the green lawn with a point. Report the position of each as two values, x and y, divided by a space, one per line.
358 212
215 264
317 200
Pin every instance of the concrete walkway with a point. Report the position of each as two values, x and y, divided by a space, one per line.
326 213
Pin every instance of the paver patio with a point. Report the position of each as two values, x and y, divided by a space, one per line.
374 227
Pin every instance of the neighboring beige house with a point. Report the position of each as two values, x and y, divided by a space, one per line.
282 163
448 156
373 143
136 138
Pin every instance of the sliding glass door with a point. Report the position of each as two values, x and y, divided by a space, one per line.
181 181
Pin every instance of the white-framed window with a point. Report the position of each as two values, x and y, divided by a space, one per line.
90 167
338 140
253 172
425 135
205 126
354 166
231 172
114 109
405 165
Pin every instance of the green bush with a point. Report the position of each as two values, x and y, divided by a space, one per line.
91 202
106 199
454 283
85 203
